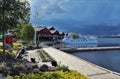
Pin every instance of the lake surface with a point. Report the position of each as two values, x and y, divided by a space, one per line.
108 42
106 59
109 59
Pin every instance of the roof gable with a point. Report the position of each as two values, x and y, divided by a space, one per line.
51 28
54 32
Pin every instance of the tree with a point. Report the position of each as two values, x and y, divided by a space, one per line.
11 11
75 35
27 32
18 30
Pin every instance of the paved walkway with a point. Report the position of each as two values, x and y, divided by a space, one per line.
82 66
35 54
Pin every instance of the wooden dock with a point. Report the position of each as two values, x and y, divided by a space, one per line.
90 49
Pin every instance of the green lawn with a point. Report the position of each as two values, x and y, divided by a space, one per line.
15 47
0 43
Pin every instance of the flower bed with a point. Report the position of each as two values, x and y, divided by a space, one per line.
45 56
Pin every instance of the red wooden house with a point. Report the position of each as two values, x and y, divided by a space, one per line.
43 33
62 34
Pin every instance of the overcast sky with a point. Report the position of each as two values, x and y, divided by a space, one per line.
80 16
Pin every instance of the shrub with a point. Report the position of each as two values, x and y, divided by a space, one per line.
63 68
45 56
15 45
30 43
52 75
75 35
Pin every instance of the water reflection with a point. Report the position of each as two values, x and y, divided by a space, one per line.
106 59
62 45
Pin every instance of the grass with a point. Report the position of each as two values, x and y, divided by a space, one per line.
17 44
15 47
0 44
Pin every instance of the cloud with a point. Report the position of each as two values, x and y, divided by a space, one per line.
54 9
77 13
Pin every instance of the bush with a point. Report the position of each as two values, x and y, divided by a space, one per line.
45 56
75 35
30 43
52 75
63 68
15 45
6 56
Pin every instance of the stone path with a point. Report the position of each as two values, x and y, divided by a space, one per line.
82 66
34 54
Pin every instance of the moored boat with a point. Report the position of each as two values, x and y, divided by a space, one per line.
80 40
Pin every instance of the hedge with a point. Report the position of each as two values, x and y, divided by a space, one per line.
72 74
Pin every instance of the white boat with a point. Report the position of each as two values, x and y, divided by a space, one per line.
80 40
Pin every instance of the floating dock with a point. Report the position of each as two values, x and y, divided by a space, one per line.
90 49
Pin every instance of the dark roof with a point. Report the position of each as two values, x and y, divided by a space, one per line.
39 29
51 28
61 32
53 31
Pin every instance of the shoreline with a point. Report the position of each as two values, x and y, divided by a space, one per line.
91 70
90 49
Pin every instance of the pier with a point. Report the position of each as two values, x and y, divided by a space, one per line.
91 70
90 49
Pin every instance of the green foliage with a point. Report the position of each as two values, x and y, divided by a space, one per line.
75 35
11 11
6 56
63 68
18 32
27 32
52 75
45 56
15 45
30 43
8 77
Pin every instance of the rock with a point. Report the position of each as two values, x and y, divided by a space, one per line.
44 68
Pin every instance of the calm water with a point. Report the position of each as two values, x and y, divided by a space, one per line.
108 42
106 59
109 59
